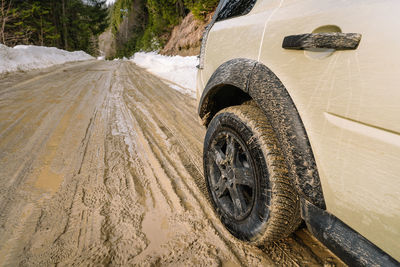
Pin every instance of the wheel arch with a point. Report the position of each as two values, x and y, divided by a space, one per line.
226 87
239 80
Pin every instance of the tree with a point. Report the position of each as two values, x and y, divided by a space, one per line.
5 16
64 24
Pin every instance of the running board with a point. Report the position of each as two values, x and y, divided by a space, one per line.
344 242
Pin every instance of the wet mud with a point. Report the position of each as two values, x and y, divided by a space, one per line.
101 164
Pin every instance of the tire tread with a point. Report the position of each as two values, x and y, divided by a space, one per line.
284 215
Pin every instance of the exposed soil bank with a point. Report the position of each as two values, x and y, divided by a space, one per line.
186 37
100 164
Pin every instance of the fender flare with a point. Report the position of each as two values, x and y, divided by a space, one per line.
265 88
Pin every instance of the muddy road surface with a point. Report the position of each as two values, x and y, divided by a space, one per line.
101 164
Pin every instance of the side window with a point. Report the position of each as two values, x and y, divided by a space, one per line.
234 8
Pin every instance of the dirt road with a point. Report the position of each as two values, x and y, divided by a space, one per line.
101 164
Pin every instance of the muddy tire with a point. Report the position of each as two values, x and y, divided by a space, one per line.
247 176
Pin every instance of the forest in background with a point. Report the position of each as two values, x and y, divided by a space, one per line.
136 25
146 25
66 24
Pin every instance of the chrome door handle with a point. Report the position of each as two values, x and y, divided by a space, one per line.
329 40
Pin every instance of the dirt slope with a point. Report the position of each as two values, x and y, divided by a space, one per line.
186 37
100 164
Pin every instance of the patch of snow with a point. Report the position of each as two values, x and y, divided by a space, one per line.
101 58
27 57
179 71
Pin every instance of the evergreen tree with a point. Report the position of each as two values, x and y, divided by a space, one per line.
67 24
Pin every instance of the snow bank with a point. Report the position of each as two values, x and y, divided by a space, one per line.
27 57
180 71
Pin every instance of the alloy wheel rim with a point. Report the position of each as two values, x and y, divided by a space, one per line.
232 181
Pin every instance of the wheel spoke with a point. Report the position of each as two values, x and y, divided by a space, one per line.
243 176
218 155
231 149
220 187
239 205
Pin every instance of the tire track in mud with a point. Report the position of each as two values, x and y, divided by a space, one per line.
34 143
20 200
133 192
165 170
